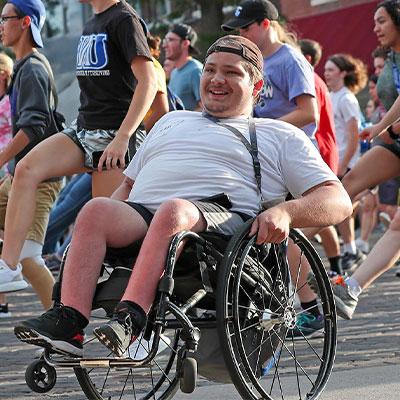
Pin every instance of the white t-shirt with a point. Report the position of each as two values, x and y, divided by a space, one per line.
345 107
190 157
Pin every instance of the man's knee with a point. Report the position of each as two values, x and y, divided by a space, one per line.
95 210
176 214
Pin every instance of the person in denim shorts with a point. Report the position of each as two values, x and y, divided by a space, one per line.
117 86
31 103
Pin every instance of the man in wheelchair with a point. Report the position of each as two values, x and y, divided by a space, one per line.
172 184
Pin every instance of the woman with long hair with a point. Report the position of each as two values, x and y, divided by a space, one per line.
346 76
380 163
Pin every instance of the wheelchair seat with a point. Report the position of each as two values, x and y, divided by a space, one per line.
249 291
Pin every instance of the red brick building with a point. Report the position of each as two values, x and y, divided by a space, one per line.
341 26
294 9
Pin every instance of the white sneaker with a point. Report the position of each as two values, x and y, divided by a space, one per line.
140 348
11 279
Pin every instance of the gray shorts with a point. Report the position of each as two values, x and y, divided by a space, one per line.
93 142
218 218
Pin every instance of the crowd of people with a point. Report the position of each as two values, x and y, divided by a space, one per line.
311 128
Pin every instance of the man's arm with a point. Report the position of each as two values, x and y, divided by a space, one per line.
122 192
14 147
305 113
144 94
323 205
352 145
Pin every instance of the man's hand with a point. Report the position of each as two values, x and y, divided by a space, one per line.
370 132
271 226
114 154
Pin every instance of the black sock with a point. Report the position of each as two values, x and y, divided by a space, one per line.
336 264
81 321
311 307
138 315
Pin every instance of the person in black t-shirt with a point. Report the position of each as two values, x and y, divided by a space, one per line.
118 84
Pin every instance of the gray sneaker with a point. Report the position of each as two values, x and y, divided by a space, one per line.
122 329
350 262
346 303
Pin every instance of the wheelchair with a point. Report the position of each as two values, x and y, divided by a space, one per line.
225 310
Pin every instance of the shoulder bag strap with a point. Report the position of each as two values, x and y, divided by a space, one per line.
251 146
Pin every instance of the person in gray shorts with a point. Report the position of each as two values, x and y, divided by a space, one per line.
191 173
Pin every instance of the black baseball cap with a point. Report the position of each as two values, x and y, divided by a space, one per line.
186 32
250 11
241 46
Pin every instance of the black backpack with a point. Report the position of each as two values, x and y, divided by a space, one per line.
58 120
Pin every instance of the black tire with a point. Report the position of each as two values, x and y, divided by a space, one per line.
40 376
256 313
188 378
157 382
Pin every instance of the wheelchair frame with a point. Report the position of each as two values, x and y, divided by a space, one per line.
250 331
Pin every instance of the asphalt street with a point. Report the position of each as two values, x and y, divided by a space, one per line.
367 363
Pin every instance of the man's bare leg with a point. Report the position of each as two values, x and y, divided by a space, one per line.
171 218
95 229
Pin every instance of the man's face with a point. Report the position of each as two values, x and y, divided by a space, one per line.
379 63
172 45
254 32
11 29
226 89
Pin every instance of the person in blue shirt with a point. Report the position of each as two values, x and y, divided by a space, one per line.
289 91
184 81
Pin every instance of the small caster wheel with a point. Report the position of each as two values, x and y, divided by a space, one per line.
188 375
40 376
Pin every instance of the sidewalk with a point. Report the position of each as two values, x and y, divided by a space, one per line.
371 339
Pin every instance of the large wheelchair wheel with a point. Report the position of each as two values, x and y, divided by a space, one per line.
158 380
257 309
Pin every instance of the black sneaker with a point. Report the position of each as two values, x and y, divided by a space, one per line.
122 329
350 261
56 330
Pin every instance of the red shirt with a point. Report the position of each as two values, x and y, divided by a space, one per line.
325 134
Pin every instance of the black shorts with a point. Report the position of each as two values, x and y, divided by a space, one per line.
143 211
218 218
